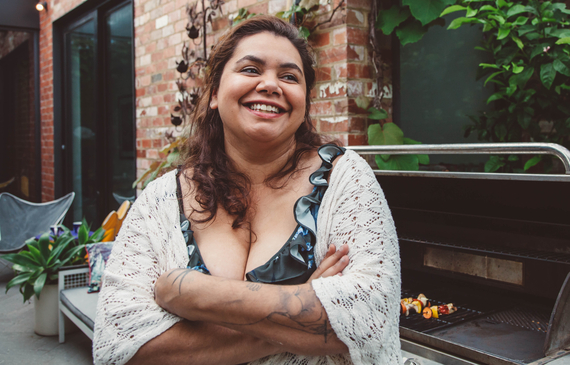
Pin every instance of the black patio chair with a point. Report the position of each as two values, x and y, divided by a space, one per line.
20 219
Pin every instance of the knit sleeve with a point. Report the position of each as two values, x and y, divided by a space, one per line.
127 315
363 304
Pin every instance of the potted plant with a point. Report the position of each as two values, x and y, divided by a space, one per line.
37 266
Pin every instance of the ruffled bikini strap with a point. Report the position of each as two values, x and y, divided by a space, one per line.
328 153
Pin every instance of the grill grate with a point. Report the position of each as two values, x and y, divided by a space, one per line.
418 323
532 254
524 317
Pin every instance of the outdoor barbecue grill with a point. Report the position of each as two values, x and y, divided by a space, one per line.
495 245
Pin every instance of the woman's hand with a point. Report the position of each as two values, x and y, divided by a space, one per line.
334 262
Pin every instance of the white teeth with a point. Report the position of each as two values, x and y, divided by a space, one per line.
264 107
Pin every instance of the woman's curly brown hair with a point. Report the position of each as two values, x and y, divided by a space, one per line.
216 181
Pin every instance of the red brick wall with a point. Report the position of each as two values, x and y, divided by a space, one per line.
56 9
10 40
341 49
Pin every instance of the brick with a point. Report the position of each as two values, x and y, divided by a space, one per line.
355 53
357 124
341 106
259 9
339 36
323 74
356 17
357 139
358 4
331 55
322 108
320 40
334 124
357 36
245 3
358 71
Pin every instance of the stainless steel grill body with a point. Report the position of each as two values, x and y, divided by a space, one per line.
496 246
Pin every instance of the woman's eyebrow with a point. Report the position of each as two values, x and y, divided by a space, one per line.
258 60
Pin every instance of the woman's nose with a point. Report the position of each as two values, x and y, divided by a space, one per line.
270 85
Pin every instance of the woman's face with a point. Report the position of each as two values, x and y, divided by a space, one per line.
261 97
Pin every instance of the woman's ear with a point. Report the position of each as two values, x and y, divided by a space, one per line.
214 100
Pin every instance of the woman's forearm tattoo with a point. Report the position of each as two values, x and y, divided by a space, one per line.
181 275
300 311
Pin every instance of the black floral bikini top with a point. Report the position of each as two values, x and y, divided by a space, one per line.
295 262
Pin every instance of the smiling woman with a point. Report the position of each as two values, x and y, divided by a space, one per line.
266 245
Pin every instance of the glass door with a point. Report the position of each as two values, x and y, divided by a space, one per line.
119 105
98 125
80 76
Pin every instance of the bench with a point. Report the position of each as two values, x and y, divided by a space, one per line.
74 301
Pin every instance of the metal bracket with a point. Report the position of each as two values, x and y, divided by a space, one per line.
558 335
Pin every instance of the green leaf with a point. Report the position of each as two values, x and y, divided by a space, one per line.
410 141
427 10
489 65
565 40
517 69
82 234
172 157
501 132
503 33
513 158
501 3
495 96
518 42
423 159
389 19
521 20
506 55
19 279
560 33
452 9
511 90
377 114
547 74
517 9
39 284
411 32
70 254
362 102
304 32
457 22
488 8
524 119
389 134
532 162
522 78
399 163
97 236
493 164
492 77
531 10
561 67
561 7
471 12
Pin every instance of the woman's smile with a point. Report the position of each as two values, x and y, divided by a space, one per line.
262 92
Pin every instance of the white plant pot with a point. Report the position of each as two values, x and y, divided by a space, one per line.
46 311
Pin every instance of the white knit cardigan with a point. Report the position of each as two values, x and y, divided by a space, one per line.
362 304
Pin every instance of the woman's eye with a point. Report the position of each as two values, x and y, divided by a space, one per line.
291 78
250 70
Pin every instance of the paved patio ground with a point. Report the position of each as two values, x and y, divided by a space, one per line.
19 345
